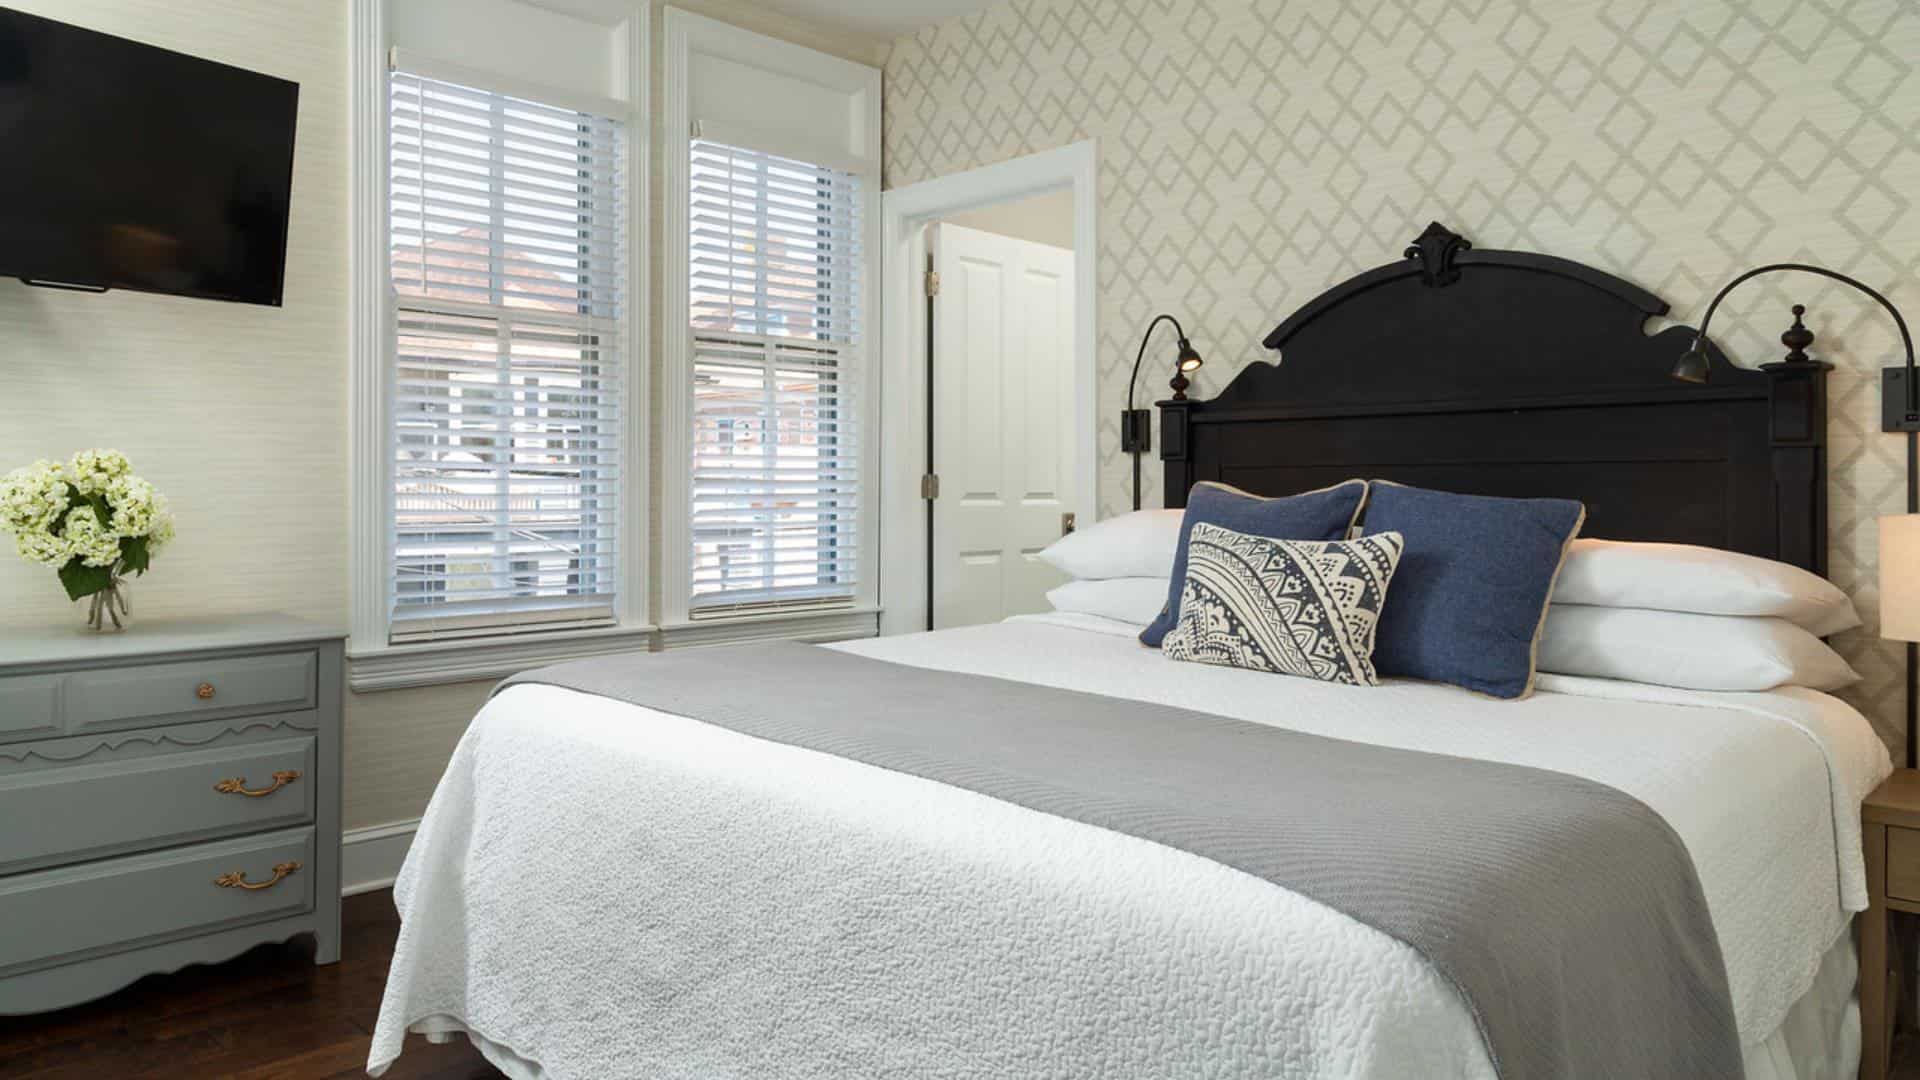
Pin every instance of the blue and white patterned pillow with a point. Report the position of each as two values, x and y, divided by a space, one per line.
1294 607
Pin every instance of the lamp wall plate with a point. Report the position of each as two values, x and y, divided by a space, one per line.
1136 431
1893 402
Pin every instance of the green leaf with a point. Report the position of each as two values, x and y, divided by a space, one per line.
100 509
134 554
83 580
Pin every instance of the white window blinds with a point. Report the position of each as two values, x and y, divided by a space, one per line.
774 284
507 263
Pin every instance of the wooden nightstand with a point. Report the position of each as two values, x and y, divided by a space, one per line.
1891 821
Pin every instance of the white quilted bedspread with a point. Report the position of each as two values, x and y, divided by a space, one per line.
601 891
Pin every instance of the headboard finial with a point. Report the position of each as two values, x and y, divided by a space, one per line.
1436 249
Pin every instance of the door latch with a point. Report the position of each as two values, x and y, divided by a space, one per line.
1066 523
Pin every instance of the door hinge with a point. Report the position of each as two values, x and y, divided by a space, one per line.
933 283
930 486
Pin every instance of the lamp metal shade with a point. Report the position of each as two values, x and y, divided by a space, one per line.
1692 366
1189 357
1900 577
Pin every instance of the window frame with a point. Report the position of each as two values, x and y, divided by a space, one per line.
374 663
510 335
738 352
686 34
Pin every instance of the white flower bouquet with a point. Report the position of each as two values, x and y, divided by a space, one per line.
90 519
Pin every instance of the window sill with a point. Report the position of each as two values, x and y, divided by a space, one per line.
836 625
394 667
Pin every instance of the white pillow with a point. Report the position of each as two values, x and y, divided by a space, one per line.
1707 581
1695 652
1135 600
1135 545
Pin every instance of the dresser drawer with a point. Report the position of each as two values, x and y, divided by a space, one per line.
111 808
29 707
148 694
58 916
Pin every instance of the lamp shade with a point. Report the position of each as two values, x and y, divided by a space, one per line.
1189 356
1900 577
1692 366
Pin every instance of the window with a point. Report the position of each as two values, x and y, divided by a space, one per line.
774 259
506 262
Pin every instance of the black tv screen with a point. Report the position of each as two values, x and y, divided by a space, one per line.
125 166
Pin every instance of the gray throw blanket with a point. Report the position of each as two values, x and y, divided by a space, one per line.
1567 913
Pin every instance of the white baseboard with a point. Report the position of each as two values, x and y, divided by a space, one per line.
370 858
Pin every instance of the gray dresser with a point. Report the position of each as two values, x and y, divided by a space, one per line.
169 795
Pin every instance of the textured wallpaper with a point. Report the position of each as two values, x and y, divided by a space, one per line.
236 412
1254 152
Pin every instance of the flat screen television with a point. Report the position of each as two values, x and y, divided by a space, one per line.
125 166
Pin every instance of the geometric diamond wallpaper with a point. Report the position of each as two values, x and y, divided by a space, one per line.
1254 152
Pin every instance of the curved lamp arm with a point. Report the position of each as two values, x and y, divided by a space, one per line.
1178 332
1185 361
1693 368
1693 365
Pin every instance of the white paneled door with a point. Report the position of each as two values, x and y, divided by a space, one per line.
1003 422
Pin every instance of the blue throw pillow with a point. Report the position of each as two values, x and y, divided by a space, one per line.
1471 592
1326 514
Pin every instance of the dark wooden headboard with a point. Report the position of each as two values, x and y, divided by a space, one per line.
1513 373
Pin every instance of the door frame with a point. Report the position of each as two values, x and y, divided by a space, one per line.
905 212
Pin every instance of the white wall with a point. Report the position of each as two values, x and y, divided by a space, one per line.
238 413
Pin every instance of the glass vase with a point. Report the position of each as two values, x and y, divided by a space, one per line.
107 610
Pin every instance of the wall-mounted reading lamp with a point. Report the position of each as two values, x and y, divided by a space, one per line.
1136 425
1899 411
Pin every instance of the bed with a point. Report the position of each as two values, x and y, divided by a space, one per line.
603 889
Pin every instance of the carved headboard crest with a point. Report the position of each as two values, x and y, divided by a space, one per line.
1521 374
1436 249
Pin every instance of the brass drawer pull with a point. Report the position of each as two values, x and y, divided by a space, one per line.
204 691
237 785
238 878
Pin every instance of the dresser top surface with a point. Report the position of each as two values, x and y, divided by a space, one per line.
63 644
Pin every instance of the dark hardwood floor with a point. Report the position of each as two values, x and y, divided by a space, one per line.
268 1013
